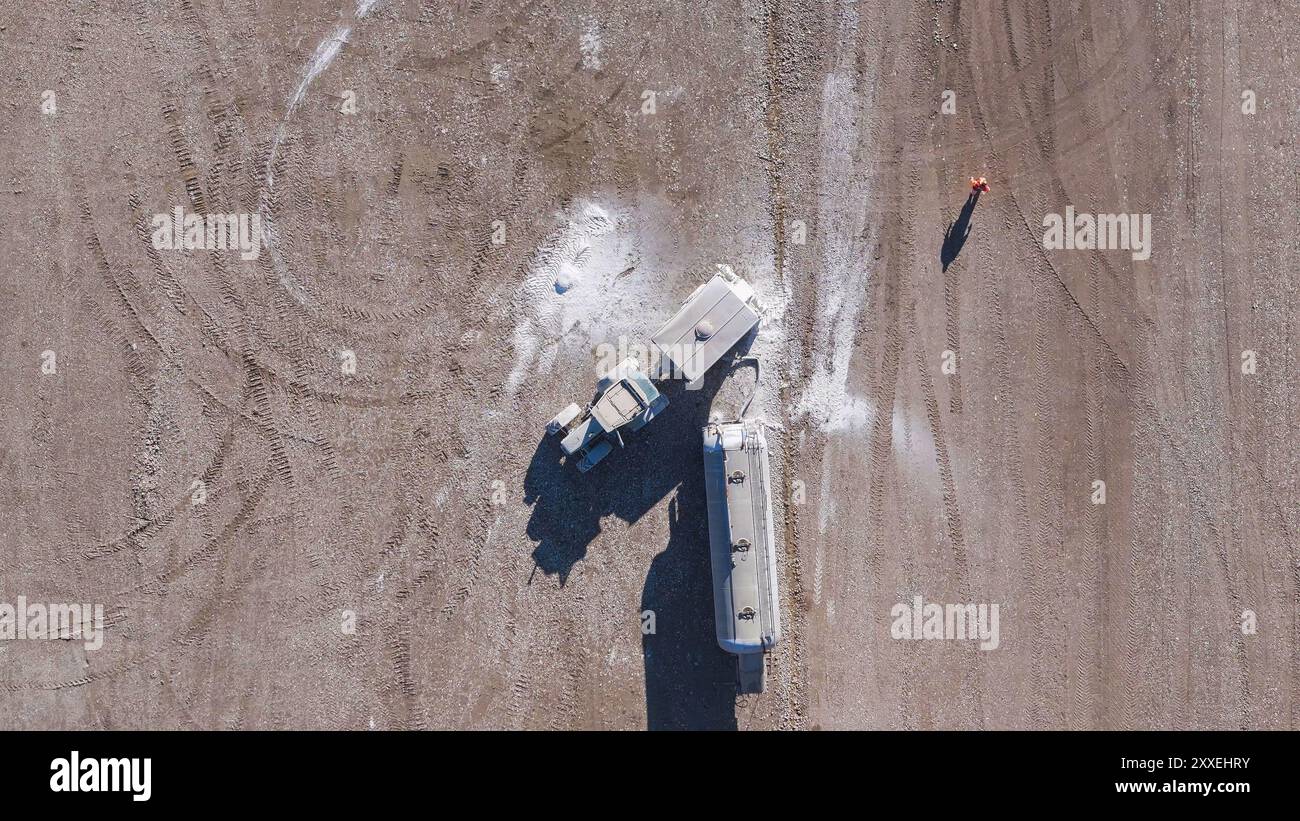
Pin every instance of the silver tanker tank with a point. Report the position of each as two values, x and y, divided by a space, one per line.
742 542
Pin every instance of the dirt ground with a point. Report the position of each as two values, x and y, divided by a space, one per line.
311 489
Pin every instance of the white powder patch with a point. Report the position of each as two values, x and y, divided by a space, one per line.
841 282
826 401
843 278
770 344
583 289
324 55
590 44
320 60
913 439
326 51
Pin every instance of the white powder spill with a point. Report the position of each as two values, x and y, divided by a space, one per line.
590 44
769 345
321 59
326 51
774 299
842 280
582 289
912 440
324 55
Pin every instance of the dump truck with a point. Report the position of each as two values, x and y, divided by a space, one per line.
716 316
625 398
742 546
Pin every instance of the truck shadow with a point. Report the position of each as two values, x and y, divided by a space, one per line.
567 506
690 681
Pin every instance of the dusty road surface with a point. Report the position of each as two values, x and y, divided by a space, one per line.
306 478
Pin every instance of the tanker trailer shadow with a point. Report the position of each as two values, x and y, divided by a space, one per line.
690 684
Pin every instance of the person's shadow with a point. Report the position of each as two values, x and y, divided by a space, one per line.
955 237
690 681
